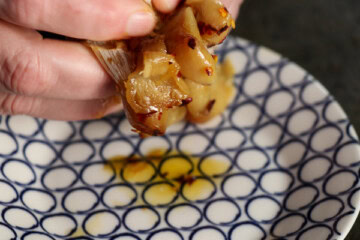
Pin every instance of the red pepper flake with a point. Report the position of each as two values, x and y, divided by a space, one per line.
160 115
179 74
209 71
143 116
190 180
192 43
187 179
186 101
224 12
210 105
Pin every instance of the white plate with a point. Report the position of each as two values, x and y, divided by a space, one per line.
286 161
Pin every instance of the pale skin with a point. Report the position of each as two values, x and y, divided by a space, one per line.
61 80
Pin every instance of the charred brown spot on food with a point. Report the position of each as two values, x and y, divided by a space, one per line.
210 105
209 71
223 29
143 116
157 133
206 29
192 43
186 101
110 60
170 63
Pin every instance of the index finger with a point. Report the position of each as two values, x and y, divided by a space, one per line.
85 19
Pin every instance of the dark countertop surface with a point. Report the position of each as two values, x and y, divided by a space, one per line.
323 36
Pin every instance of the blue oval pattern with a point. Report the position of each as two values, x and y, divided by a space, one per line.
290 168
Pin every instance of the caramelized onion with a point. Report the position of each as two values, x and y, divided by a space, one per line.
171 75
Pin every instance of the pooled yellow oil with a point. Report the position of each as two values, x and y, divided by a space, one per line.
161 194
214 167
79 232
177 170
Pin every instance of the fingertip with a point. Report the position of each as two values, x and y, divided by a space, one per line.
110 106
233 6
114 109
140 23
166 6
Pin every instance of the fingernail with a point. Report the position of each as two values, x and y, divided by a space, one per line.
169 5
140 23
112 105
113 109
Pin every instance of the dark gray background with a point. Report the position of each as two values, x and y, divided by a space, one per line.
323 36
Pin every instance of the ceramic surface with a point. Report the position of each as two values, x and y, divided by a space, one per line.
287 167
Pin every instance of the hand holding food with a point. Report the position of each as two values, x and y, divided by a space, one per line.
61 79
171 74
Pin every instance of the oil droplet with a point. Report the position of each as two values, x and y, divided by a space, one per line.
156 153
175 167
79 232
117 163
178 169
214 167
161 194
95 224
138 172
198 190
101 223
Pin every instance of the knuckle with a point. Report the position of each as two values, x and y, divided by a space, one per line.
13 105
23 73
6 102
22 11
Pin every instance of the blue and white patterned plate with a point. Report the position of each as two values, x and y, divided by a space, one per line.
285 166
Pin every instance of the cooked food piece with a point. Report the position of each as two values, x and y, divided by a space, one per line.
209 101
170 75
183 40
213 19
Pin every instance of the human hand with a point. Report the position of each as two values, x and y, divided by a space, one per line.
62 80
233 6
